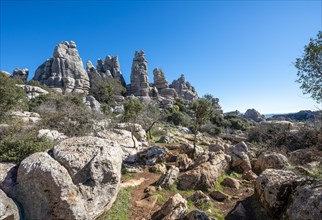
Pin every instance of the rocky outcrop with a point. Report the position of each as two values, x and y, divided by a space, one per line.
205 175
139 76
174 208
33 91
199 199
20 74
92 103
107 69
28 117
161 84
184 89
64 71
254 115
169 177
270 160
52 135
239 158
137 130
8 209
273 189
306 202
80 181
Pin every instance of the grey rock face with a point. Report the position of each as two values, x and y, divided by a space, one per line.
184 89
169 177
270 160
166 95
139 75
239 158
174 208
8 209
273 189
92 103
20 74
32 91
107 69
64 71
252 114
306 202
159 79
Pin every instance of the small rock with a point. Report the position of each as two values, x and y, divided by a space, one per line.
199 198
183 162
268 160
197 215
174 208
165 139
218 195
231 182
159 167
249 175
168 178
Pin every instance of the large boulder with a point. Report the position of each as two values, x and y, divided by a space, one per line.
20 74
8 209
64 71
92 103
174 208
306 202
253 115
137 130
80 181
205 175
169 177
32 91
239 158
270 160
273 189
52 135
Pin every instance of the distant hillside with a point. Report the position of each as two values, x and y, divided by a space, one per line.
305 115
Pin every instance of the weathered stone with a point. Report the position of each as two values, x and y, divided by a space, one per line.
8 173
197 215
33 91
8 209
270 160
199 199
52 135
46 191
94 164
169 177
184 89
273 189
64 71
191 151
20 74
162 86
139 75
92 103
218 195
205 175
306 202
253 115
165 139
240 160
173 209
28 117
153 155
137 130
249 175
231 182
158 168
183 162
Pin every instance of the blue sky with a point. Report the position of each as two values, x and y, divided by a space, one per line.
239 51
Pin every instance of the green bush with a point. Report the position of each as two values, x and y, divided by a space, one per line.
211 129
236 122
18 146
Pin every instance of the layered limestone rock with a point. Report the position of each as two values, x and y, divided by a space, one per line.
64 71
107 69
32 91
20 74
166 94
139 76
184 89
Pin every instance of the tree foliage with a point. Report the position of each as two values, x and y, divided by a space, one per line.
309 68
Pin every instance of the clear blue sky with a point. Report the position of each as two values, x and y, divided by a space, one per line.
239 51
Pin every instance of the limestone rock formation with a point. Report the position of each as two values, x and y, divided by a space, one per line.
80 181
139 76
306 202
239 158
92 103
32 91
199 199
169 177
20 74
64 71
107 69
174 208
270 160
8 209
184 89
273 189
252 114
205 175
52 135
161 84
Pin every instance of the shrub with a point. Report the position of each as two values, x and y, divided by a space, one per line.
211 129
18 146
236 122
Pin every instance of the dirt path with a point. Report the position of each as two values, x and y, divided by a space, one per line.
142 207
